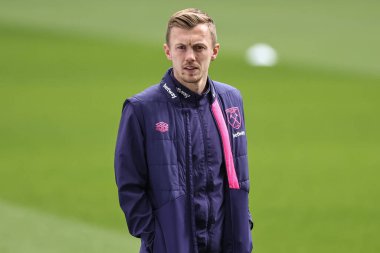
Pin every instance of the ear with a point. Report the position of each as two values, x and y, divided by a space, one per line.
215 51
167 52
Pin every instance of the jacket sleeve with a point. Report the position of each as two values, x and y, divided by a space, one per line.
131 177
251 222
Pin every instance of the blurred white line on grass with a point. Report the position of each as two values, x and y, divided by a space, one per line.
27 230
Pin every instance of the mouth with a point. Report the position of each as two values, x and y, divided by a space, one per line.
190 69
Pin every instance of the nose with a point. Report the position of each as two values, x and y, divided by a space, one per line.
190 56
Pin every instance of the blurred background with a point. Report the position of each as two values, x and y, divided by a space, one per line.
66 68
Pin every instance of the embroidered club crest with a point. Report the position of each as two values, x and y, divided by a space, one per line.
233 117
162 127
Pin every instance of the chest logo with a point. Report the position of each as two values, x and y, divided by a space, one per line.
233 117
162 127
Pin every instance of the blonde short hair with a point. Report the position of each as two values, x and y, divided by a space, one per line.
188 19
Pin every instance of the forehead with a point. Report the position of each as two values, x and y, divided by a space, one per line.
198 34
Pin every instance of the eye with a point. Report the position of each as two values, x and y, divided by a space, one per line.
199 48
181 47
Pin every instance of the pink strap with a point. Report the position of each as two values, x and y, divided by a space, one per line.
229 160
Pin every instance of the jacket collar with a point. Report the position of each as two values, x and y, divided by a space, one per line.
173 92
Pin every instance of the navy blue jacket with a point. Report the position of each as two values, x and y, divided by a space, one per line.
209 174
154 170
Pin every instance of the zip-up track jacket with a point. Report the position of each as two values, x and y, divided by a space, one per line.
153 168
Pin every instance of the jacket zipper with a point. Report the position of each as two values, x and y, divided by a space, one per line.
189 178
202 124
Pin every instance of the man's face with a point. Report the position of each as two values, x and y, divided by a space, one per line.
191 52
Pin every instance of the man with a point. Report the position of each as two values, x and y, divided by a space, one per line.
181 154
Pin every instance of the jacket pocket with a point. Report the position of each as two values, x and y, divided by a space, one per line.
242 236
172 228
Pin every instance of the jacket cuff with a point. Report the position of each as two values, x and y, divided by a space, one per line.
251 223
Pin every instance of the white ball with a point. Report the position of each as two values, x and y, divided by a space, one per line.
261 54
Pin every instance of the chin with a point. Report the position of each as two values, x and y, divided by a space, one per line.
192 80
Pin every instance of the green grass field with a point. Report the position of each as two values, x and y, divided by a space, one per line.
312 121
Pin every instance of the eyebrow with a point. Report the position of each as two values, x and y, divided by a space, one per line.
194 44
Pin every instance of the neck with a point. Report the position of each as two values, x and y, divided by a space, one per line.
196 87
